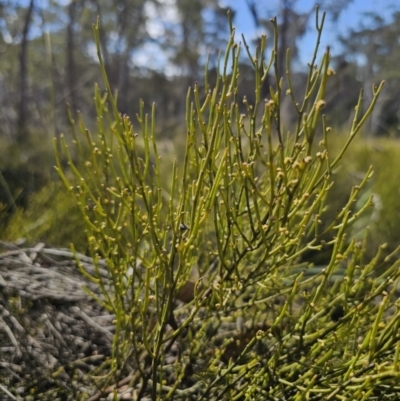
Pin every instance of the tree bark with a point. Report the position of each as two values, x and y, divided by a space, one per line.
71 67
23 61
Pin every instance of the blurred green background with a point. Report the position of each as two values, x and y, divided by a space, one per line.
154 50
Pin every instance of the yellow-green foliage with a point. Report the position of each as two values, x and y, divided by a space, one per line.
34 207
383 220
384 155
51 217
206 262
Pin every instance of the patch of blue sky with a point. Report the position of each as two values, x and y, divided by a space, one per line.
352 17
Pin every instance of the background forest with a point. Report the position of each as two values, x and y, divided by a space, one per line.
154 50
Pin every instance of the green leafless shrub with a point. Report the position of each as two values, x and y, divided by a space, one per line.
203 252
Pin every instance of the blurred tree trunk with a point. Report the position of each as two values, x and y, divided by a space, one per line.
103 41
131 41
71 84
122 30
23 65
286 5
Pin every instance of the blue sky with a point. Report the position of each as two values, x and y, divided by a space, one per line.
351 17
